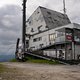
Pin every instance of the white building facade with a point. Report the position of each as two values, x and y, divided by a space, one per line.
53 34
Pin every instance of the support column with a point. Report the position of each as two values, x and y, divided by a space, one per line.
56 51
65 51
73 50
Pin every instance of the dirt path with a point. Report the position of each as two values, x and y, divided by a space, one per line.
28 71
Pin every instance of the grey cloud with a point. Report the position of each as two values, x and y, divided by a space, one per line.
11 16
10 27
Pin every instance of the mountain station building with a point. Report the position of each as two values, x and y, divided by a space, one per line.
53 33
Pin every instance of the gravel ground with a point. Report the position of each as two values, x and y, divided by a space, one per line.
30 71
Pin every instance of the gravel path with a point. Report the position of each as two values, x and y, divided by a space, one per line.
30 71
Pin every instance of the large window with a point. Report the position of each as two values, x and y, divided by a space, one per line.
59 34
77 35
52 37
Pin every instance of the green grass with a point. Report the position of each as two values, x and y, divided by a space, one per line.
13 60
2 68
31 59
42 61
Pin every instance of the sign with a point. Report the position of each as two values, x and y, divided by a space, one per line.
69 37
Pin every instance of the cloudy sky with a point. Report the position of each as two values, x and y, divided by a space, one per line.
11 18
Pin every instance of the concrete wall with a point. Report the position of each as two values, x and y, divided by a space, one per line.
44 41
34 22
45 38
77 51
50 52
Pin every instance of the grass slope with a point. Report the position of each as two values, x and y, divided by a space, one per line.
31 59
43 61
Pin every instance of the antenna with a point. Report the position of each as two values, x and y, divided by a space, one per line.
64 7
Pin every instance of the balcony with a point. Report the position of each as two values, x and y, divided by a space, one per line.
60 35
60 39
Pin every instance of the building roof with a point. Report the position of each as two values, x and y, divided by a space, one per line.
44 19
53 18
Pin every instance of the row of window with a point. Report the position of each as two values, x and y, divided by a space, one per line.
37 39
52 37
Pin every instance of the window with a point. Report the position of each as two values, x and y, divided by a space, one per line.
32 48
40 38
34 40
29 22
49 13
55 19
50 19
47 27
52 37
37 39
59 34
32 30
41 45
77 35
39 28
38 12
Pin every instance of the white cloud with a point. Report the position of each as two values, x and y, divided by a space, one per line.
7 2
10 28
7 23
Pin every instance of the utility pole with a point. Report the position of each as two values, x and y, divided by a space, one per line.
24 25
64 7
